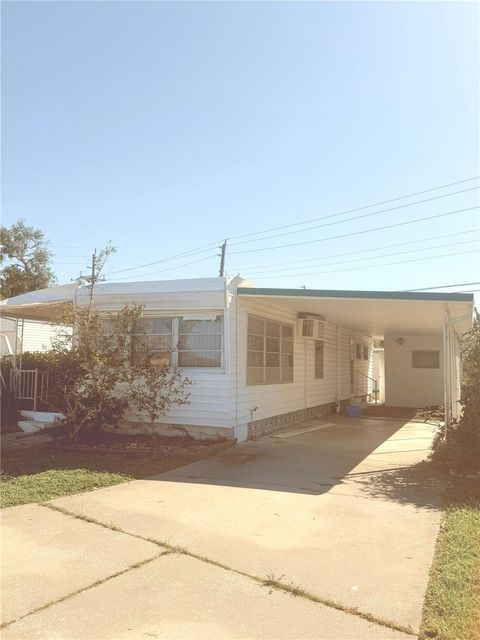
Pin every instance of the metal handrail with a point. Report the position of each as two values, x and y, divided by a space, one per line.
29 384
375 386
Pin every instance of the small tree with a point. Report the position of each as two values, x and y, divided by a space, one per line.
155 388
25 249
86 379
91 377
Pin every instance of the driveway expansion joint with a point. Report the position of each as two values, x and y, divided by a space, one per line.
269 581
97 583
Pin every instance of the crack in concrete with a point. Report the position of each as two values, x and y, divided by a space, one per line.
270 581
97 583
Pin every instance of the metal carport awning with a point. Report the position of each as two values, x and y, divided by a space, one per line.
381 313
376 313
46 305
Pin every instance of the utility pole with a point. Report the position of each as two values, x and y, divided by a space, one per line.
94 264
222 259
92 279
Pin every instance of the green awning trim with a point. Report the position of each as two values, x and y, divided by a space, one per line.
359 295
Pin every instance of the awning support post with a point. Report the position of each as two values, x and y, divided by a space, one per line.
446 372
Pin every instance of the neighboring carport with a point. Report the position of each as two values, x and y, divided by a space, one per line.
434 322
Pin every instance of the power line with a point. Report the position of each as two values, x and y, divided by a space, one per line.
372 266
356 233
349 253
179 266
397 253
445 286
367 206
180 255
69 246
365 215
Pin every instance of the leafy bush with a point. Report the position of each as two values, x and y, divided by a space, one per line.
8 408
155 388
84 381
91 378
459 448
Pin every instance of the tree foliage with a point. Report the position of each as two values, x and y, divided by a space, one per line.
92 380
27 259
84 380
459 448
155 388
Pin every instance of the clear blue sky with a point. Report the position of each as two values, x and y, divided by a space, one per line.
164 127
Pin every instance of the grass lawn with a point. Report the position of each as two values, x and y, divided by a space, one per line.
452 604
45 472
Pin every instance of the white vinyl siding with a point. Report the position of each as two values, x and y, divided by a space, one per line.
407 385
305 390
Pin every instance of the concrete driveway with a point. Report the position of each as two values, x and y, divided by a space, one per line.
343 517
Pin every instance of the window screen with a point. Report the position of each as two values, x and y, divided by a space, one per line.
200 342
152 339
426 359
179 342
319 356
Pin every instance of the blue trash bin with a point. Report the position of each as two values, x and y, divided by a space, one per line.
354 411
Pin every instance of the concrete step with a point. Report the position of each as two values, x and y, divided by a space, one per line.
41 416
38 420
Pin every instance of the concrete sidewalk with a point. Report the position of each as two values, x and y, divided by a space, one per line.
346 513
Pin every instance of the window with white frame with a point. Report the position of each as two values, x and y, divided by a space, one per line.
358 350
153 338
426 359
319 359
269 352
200 342
184 342
365 352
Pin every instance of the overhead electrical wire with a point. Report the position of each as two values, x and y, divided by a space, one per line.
367 206
356 233
397 253
200 249
180 255
349 253
364 215
152 273
445 286
372 266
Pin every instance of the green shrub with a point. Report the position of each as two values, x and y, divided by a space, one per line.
459 447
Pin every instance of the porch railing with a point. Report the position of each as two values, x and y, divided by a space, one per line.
29 384
369 387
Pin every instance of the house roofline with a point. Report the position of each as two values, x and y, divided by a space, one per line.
359 295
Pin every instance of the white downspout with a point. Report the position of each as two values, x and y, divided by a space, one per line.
339 378
21 342
446 370
236 364
15 346
305 374
447 373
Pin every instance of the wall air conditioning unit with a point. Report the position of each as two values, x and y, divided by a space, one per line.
311 326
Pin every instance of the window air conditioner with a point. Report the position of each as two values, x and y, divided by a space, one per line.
311 328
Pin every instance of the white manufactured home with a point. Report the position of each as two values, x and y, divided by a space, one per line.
260 359
29 335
